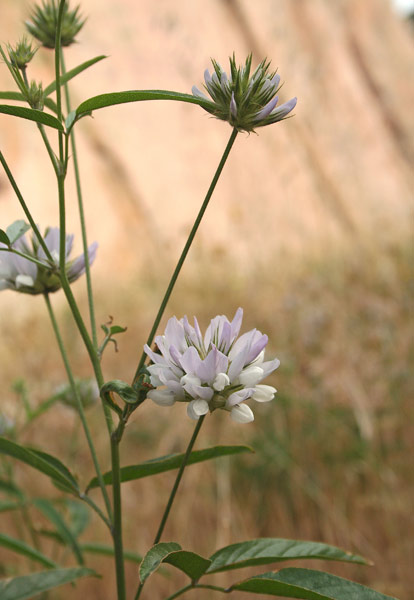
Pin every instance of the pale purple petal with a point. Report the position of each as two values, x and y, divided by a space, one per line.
275 81
267 109
196 92
284 109
236 323
240 396
269 366
190 361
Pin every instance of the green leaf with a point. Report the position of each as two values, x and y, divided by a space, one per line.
6 505
22 548
45 463
72 73
62 529
4 239
169 462
16 230
122 389
106 550
308 585
117 329
154 557
190 563
264 551
11 489
28 586
79 515
32 115
114 98
19 97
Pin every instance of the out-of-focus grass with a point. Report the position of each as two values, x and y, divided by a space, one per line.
333 451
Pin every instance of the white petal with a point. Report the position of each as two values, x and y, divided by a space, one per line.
197 408
162 397
264 393
185 379
242 414
250 376
221 381
25 280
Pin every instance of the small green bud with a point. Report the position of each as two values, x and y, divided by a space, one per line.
21 54
43 23
35 95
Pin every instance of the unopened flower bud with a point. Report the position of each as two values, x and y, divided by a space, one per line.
21 54
264 393
43 23
242 414
162 397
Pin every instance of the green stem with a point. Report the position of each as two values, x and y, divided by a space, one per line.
49 148
79 404
39 263
81 215
117 522
196 586
25 207
187 247
178 479
174 490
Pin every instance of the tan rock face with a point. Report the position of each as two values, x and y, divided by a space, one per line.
337 169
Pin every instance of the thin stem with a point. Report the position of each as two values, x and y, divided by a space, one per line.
32 259
25 207
178 479
79 403
96 509
117 522
81 215
49 148
196 586
174 490
187 247
58 52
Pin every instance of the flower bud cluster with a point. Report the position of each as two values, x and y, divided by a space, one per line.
22 275
217 370
43 23
245 101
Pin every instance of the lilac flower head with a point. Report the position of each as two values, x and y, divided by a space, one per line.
245 101
20 274
216 370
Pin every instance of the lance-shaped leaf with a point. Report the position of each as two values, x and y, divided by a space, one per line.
22 548
264 551
114 98
62 529
20 98
154 557
29 586
6 505
308 585
169 462
45 463
72 73
32 115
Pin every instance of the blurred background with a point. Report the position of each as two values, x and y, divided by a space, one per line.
309 230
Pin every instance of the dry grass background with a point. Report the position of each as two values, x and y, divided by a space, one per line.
309 230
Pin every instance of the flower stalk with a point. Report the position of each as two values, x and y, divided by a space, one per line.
187 248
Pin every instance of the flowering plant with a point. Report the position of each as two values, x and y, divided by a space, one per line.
217 370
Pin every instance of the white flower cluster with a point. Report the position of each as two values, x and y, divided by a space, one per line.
217 370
